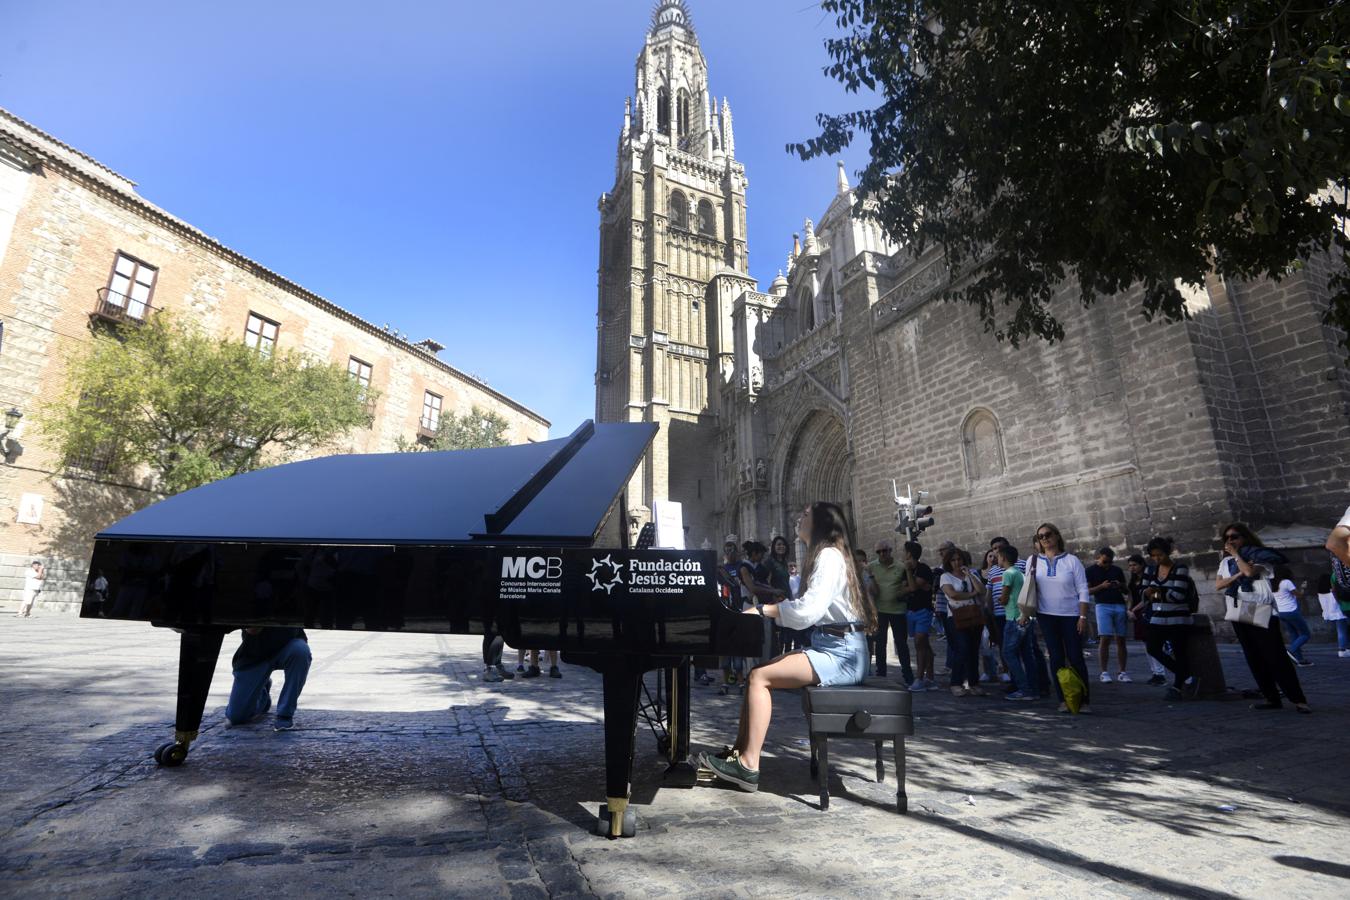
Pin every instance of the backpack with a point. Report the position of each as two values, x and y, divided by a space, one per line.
1340 582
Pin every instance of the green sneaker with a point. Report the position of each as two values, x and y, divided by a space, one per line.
731 770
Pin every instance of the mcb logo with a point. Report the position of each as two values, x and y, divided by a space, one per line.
604 574
537 567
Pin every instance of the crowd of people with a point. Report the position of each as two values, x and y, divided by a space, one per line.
1011 622
845 611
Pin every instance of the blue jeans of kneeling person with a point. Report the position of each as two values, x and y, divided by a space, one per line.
249 696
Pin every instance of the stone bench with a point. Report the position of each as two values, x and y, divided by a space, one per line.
876 710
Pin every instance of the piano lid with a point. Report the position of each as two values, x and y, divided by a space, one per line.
554 491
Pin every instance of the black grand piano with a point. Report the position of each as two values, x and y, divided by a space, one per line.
528 542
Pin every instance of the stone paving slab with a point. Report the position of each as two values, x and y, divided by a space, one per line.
408 776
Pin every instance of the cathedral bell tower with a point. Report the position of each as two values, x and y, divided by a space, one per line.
674 220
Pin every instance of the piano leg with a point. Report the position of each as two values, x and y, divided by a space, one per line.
622 683
680 773
197 655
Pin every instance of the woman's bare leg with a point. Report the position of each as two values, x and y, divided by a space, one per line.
790 671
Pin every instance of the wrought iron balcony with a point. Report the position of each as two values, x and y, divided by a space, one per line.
118 308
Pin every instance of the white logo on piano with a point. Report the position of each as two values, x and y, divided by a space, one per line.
597 574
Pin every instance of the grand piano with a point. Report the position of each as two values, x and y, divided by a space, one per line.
528 543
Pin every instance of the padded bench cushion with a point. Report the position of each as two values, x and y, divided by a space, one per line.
888 700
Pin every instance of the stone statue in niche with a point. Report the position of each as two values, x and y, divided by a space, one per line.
746 475
756 378
761 472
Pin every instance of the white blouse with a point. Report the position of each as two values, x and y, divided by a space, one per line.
826 600
1061 584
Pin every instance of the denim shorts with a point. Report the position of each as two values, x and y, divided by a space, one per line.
1112 620
920 621
838 659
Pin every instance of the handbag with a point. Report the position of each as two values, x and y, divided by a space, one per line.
969 616
1028 601
1251 607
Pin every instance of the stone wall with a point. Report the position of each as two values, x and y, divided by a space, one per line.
66 226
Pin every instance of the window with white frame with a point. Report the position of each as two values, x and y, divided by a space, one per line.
261 334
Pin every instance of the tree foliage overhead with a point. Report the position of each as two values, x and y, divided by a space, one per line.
1115 142
475 429
193 408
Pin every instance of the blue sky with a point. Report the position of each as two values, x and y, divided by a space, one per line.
431 165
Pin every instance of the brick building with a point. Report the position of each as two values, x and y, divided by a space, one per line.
79 247
849 373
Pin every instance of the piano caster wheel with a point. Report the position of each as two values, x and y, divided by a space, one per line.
172 754
603 820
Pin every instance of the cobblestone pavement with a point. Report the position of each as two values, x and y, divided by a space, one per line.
407 776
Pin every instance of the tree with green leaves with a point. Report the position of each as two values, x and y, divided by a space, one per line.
1114 142
194 408
476 428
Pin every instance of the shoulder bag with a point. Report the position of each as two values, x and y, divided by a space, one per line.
1027 601
1253 606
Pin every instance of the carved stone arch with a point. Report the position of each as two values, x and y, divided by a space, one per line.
663 110
707 219
806 310
679 210
982 446
814 463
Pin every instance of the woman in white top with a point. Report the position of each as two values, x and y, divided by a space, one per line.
1062 603
841 616
1287 596
963 589
1332 612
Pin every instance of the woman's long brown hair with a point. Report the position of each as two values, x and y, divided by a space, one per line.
829 528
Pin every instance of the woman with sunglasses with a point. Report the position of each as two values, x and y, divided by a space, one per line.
1062 603
1245 560
841 615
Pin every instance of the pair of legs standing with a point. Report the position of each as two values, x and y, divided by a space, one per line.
1112 628
1270 665
1160 638
897 626
1064 646
965 656
920 622
1026 664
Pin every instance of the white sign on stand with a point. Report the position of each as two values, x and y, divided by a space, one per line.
669 516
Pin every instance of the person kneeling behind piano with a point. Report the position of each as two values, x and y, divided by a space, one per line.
262 652
842 615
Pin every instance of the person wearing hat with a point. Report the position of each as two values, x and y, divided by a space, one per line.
891 585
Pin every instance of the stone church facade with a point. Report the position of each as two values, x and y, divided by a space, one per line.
80 250
850 372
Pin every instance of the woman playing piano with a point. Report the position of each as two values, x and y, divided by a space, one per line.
843 616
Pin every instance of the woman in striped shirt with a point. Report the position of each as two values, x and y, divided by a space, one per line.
1169 590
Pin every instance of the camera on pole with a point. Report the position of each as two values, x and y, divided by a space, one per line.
913 512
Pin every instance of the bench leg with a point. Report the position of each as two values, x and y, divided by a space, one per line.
881 765
824 743
815 766
901 799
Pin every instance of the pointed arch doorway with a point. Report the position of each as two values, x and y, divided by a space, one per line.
817 466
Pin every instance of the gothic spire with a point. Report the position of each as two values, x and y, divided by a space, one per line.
671 14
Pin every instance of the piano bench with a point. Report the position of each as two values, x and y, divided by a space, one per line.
875 710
